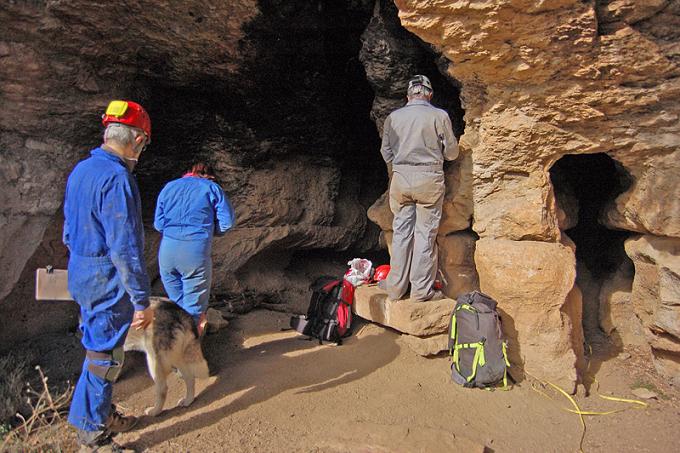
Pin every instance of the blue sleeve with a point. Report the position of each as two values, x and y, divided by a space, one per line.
224 213
159 217
122 222
65 235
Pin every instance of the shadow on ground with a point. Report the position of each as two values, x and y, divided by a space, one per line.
250 370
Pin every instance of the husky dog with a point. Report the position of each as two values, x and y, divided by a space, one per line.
171 341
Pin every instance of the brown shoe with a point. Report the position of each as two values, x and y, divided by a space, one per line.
119 423
437 295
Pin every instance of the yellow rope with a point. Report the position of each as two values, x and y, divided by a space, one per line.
578 410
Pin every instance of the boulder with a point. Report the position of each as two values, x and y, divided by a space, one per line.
457 263
652 204
533 283
407 316
426 346
617 316
656 297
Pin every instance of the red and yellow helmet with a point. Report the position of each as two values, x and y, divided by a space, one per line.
128 113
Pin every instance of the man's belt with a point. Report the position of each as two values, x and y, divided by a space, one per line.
420 166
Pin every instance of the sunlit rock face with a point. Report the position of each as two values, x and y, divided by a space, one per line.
543 79
271 93
655 297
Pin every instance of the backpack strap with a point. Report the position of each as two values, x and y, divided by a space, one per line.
507 365
478 360
452 337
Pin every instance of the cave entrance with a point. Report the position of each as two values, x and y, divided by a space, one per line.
293 134
584 187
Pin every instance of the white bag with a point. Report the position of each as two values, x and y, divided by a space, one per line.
360 271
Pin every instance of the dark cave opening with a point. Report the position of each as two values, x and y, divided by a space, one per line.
303 99
585 185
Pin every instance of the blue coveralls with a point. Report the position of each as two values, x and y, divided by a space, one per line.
106 270
189 211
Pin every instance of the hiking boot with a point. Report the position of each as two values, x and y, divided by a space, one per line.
119 423
437 295
108 446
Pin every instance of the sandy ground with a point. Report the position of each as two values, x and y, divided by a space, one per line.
275 392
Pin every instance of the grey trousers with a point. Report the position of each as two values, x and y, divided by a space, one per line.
416 198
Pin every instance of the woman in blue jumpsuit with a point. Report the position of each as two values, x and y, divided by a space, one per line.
189 212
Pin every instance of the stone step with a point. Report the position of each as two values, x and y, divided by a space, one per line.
426 346
407 316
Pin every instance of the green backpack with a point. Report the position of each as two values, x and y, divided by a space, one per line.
476 342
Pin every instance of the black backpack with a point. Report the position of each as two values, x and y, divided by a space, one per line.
329 317
476 342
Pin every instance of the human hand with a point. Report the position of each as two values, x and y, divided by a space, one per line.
202 324
142 319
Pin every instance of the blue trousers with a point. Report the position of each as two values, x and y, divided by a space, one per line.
186 272
106 314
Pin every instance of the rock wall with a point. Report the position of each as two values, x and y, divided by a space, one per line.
270 92
655 297
284 98
540 80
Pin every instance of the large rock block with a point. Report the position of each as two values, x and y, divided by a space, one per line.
415 318
426 346
457 263
656 297
616 313
652 204
533 283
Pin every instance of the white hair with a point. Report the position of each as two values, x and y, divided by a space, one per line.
122 134
418 91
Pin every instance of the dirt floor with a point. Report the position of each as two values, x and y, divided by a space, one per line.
275 392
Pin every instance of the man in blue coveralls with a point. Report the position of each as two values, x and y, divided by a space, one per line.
106 270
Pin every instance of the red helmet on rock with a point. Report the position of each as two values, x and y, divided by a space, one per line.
381 272
128 113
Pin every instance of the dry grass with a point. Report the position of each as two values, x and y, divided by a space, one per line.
44 427
12 377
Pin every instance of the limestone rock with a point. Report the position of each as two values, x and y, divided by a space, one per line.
656 296
526 106
380 213
426 346
616 312
407 316
630 11
456 262
216 321
532 283
644 393
652 205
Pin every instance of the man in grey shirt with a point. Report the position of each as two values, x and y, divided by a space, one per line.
417 139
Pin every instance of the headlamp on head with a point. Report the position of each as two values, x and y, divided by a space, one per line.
128 113
419 84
